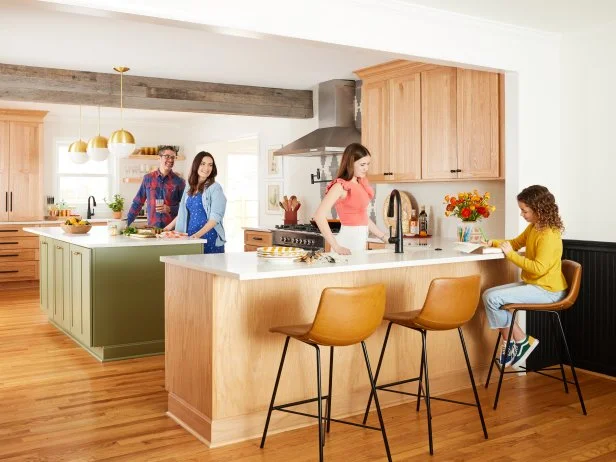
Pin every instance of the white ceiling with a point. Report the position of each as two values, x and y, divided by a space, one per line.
558 16
47 37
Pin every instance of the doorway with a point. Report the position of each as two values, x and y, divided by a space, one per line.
237 161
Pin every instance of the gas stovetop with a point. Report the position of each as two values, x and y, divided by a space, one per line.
305 236
306 228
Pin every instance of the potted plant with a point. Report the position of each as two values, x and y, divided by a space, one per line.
116 206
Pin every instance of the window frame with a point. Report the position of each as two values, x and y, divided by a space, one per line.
59 175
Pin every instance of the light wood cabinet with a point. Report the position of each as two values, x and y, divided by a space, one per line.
19 254
375 125
256 239
21 141
438 124
478 124
431 123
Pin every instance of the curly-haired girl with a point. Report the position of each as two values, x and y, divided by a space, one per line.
542 277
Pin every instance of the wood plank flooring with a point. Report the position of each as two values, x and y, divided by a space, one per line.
57 403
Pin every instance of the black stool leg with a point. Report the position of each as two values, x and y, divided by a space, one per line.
419 387
376 398
493 358
271 406
424 341
502 366
329 394
378 370
577 384
470 373
559 348
319 402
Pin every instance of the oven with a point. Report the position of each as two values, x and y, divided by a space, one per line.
303 236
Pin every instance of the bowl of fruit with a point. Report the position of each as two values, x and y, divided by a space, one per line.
76 226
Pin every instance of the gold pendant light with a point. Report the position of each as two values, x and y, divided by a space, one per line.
121 142
77 151
97 146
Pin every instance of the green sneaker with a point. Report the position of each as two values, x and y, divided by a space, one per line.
524 350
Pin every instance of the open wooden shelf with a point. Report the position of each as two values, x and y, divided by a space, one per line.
148 157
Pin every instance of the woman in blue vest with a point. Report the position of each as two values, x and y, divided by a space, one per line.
202 206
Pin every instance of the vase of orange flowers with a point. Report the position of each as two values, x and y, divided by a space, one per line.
470 208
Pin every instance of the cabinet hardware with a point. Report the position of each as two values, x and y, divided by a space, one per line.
59 247
6 202
8 230
257 238
11 202
13 243
458 170
452 171
10 255
76 253
9 271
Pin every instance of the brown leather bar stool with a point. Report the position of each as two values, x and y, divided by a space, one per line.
345 316
449 304
573 275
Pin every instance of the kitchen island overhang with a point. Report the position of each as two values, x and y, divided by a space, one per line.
221 360
106 292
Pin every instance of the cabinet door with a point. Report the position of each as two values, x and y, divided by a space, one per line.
24 191
438 124
61 314
44 273
80 294
405 127
375 127
4 171
478 124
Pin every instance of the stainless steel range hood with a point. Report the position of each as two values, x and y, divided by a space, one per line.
336 123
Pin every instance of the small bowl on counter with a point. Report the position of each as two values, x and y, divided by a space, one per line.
75 229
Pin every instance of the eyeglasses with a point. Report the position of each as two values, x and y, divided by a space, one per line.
169 156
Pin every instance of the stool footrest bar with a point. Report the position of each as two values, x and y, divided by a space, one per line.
333 420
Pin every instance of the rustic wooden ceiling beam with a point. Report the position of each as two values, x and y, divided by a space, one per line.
61 86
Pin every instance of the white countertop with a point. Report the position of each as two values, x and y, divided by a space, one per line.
63 219
98 236
248 266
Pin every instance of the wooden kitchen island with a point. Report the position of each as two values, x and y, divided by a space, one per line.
221 361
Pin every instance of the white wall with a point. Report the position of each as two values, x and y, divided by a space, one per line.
432 195
531 59
588 150
146 133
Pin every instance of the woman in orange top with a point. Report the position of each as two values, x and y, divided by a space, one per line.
350 193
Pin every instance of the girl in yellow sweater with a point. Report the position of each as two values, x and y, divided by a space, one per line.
542 277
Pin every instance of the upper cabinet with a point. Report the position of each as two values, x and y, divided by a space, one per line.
478 123
438 124
424 122
21 135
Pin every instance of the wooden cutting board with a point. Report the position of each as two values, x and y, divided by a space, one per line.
406 213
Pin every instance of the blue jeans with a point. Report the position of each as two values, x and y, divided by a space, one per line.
516 292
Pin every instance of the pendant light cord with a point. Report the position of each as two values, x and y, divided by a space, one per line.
79 123
99 121
122 100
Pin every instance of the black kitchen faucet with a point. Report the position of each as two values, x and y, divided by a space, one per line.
91 210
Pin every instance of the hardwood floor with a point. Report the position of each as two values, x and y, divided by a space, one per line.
60 404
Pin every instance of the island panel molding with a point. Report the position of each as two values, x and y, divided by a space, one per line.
221 360
64 86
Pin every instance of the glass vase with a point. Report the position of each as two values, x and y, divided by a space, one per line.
470 231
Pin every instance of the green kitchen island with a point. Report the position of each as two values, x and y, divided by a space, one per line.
107 292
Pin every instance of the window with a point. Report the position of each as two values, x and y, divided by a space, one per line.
76 182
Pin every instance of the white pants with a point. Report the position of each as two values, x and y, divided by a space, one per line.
353 238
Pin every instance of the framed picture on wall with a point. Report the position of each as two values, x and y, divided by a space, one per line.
273 195
274 163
